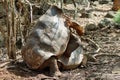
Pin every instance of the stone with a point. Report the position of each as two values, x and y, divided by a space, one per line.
117 26
110 14
91 27
105 22
95 3
85 15
103 1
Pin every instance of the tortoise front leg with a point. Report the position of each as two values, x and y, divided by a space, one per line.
54 69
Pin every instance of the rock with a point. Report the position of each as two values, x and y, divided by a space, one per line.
110 14
95 3
116 69
116 25
104 2
91 27
104 23
86 15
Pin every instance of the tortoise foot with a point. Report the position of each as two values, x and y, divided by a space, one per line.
56 74
54 69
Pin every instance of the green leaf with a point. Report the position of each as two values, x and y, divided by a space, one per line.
117 17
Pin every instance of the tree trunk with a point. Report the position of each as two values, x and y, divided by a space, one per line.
11 29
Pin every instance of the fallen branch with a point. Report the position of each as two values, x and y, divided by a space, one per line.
103 54
2 65
93 44
51 78
5 63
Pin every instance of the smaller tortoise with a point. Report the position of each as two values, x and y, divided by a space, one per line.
73 55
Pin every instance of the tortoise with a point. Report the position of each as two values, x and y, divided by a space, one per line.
51 43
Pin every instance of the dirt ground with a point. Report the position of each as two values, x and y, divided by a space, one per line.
107 66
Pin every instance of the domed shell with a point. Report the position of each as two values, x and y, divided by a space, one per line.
49 38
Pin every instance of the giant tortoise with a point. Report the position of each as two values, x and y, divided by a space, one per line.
51 43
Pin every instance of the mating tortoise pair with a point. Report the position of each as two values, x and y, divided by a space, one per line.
52 44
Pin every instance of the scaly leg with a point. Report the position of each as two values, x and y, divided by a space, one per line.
54 69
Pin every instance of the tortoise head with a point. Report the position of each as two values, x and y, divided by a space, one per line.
71 24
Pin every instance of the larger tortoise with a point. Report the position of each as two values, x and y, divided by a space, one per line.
51 42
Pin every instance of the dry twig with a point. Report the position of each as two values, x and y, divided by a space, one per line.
31 10
93 44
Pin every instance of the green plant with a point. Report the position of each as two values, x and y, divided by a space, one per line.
117 17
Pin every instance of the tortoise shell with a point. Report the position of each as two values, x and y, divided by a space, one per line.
49 38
